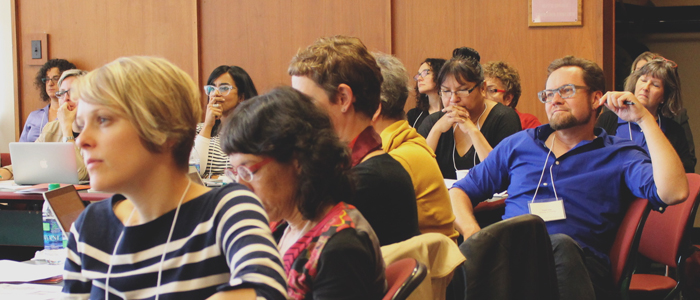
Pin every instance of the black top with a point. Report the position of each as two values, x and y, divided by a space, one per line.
673 131
385 197
416 116
501 122
347 267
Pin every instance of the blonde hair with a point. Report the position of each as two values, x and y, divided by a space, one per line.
646 56
157 97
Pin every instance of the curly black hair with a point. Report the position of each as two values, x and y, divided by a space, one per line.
285 125
435 65
59 63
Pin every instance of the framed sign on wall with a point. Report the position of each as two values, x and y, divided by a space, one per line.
547 13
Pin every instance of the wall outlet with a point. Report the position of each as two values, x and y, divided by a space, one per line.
36 49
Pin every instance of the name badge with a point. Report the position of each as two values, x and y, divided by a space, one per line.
548 209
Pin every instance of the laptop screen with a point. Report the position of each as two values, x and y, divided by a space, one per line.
66 205
34 163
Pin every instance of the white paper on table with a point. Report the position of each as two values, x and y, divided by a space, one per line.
30 291
12 271
10 186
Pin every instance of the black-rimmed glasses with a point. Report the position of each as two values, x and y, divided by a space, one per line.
421 74
53 79
447 94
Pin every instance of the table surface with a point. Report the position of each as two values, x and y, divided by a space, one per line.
39 197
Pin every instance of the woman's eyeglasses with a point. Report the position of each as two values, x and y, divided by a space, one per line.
672 63
492 91
223 90
421 74
245 173
62 93
52 79
447 94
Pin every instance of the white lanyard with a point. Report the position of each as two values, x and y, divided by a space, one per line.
551 177
629 127
416 121
165 247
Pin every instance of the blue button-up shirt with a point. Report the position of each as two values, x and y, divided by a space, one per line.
623 131
597 180
34 124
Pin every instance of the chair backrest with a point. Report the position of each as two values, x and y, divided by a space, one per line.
624 249
5 159
665 233
403 276
511 259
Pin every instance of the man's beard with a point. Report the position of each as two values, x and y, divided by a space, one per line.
569 121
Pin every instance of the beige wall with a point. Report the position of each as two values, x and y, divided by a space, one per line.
7 73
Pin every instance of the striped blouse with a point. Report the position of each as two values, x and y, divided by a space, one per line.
212 160
221 241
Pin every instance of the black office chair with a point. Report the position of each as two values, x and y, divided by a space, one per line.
511 259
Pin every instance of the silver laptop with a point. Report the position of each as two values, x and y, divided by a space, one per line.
34 163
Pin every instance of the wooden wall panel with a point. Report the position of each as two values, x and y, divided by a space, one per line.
263 36
91 33
499 30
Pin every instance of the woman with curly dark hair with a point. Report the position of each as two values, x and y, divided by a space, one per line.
427 97
47 82
286 151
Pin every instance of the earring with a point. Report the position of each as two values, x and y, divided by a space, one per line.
343 109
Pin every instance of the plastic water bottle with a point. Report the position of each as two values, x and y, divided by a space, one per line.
53 237
54 240
194 161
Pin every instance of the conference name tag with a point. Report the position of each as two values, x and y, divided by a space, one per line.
548 209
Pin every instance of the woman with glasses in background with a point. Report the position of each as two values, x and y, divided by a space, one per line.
681 116
503 86
226 87
427 97
657 86
47 82
469 126
63 129
300 169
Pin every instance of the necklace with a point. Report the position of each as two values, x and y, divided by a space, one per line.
165 248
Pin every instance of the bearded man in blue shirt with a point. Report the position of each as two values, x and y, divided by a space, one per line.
584 178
